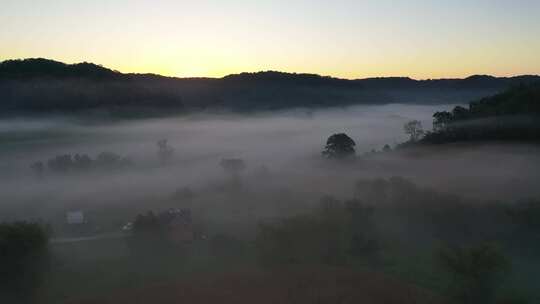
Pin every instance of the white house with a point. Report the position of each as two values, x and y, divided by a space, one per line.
75 217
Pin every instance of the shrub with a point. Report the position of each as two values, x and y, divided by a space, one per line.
475 271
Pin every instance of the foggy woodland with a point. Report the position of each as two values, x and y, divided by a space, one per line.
383 202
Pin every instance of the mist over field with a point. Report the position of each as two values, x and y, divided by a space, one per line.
281 151
286 143
261 195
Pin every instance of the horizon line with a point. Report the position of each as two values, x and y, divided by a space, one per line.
267 71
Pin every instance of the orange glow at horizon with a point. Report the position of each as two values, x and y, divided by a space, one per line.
348 39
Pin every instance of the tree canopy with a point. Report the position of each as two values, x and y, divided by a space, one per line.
339 146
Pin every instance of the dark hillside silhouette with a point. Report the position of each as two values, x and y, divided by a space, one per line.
42 86
43 68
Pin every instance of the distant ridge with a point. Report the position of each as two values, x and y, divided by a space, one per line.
41 67
41 85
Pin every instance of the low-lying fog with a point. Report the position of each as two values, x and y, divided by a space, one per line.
281 151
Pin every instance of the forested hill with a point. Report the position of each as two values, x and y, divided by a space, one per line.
511 115
48 69
46 86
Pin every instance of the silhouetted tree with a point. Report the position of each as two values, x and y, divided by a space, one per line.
339 146
66 163
414 129
386 148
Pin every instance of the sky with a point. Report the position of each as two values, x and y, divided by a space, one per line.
343 38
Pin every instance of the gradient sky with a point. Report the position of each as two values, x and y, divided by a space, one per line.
344 38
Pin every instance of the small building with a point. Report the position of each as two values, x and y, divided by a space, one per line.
75 217
77 223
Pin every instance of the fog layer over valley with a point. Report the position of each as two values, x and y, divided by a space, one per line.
267 152
210 202
281 150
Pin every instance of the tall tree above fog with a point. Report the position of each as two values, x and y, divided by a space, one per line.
339 146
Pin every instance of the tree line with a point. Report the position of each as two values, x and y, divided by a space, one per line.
68 163
513 115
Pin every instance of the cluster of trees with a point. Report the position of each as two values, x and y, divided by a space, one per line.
509 129
335 232
471 241
340 146
162 234
24 260
67 163
522 99
511 115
